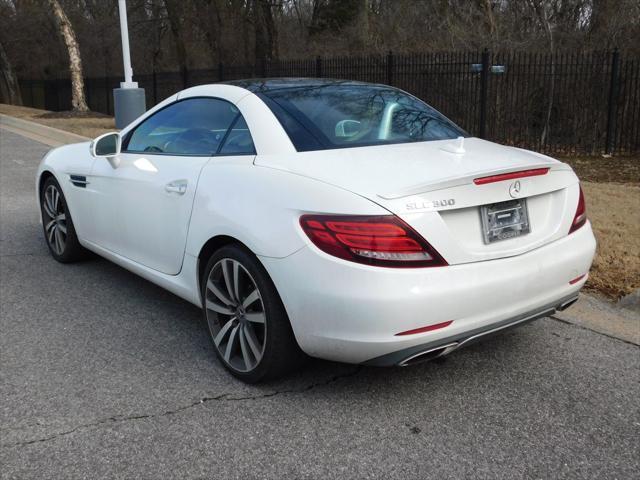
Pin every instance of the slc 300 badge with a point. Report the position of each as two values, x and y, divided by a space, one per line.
430 204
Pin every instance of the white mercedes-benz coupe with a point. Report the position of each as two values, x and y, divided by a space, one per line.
345 220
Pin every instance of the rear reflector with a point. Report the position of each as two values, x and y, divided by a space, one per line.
373 240
425 329
577 279
510 176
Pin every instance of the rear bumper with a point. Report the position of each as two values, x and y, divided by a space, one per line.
445 346
352 313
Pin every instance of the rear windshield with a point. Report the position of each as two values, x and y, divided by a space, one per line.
343 115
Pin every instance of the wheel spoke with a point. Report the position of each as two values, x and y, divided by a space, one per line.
245 349
236 281
255 317
49 225
47 208
252 341
223 332
218 293
62 228
61 218
56 199
218 308
48 203
59 242
52 233
252 297
232 340
228 281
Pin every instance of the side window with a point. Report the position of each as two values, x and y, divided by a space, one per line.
239 140
195 126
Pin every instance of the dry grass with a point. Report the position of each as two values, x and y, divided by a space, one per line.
611 185
614 213
88 126
600 169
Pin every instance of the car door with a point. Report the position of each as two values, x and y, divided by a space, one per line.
143 204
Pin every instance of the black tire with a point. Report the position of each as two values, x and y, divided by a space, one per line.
57 224
280 353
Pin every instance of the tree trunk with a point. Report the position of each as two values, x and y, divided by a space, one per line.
9 89
491 21
175 14
78 101
266 38
552 77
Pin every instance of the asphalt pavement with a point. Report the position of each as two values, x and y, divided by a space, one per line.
104 375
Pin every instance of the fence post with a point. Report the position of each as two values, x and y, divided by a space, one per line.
484 90
318 66
185 77
390 66
613 102
220 71
154 84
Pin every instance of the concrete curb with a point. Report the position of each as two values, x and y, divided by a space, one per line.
598 314
631 301
53 135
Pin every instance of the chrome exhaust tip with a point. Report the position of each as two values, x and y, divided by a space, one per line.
567 304
429 354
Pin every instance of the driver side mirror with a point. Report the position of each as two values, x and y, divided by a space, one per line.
107 145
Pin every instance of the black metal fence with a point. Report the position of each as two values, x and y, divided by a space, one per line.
565 103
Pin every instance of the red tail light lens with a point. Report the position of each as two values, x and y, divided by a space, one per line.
580 217
373 240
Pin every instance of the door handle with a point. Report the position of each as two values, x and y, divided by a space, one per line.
179 187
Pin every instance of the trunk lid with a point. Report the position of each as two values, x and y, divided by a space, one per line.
431 186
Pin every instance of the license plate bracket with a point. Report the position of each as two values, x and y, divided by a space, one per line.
504 220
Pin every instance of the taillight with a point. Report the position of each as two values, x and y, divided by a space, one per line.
373 240
580 218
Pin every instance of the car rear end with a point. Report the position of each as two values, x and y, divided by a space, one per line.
472 237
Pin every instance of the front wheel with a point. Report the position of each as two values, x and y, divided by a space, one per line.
59 231
247 321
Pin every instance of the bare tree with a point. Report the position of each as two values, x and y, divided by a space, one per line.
78 101
171 34
176 16
266 34
541 9
9 90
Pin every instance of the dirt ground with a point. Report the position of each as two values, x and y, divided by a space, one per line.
612 192
91 126
611 186
614 213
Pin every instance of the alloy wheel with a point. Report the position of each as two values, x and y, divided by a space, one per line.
236 315
55 219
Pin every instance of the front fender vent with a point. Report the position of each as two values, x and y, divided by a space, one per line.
79 180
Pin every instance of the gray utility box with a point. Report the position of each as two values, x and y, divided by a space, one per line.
128 104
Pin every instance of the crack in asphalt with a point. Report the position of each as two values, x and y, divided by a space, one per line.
226 397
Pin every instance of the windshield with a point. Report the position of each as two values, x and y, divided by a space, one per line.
351 115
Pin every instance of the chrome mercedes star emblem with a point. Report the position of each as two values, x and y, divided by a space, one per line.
514 189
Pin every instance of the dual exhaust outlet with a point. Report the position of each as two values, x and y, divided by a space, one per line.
449 346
